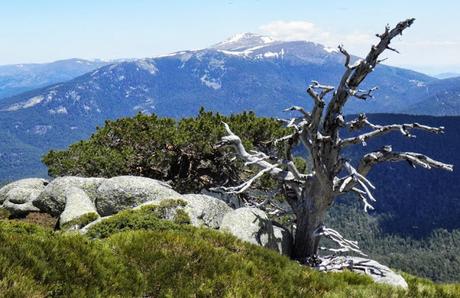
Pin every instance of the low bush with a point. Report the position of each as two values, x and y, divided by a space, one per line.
148 217
139 254
81 221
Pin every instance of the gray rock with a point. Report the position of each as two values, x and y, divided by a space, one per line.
169 213
231 200
124 192
205 210
252 225
18 197
19 209
378 272
52 199
77 204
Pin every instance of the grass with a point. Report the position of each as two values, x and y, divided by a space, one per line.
137 253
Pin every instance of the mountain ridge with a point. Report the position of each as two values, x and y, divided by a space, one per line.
251 73
18 78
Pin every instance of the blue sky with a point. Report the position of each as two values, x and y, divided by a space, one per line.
47 30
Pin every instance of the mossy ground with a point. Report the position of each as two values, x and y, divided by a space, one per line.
137 254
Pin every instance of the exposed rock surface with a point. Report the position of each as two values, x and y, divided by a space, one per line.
378 272
252 225
53 199
17 197
231 200
124 192
77 204
205 210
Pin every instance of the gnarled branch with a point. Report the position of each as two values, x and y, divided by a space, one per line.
354 76
256 158
379 130
386 154
345 245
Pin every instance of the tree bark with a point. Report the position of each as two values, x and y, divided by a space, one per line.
309 216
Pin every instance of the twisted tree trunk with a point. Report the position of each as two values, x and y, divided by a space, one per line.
306 241
310 195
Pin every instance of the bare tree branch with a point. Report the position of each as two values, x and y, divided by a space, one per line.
379 130
362 195
310 196
317 109
362 94
257 158
386 154
345 245
306 115
354 76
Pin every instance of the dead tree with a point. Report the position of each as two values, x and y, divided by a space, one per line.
310 195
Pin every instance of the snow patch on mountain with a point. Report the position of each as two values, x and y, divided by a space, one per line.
148 65
58 110
210 82
73 95
270 54
331 50
418 83
41 129
25 105
243 41
147 107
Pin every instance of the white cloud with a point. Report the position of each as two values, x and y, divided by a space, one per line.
355 42
294 30
442 53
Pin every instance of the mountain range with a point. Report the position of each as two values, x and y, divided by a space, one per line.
18 78
245 72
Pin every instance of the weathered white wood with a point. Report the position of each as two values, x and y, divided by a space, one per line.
310 196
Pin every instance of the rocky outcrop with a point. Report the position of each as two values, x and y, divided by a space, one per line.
78 205
252 225
18 197
124 192
205 210
53 198
378 272
230 199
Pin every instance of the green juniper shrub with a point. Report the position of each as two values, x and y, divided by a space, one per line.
81 221
140 254
36 262
182 151
146 217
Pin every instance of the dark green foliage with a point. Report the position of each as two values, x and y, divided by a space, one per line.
80 221
147 217
162 148
166 259
35 262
